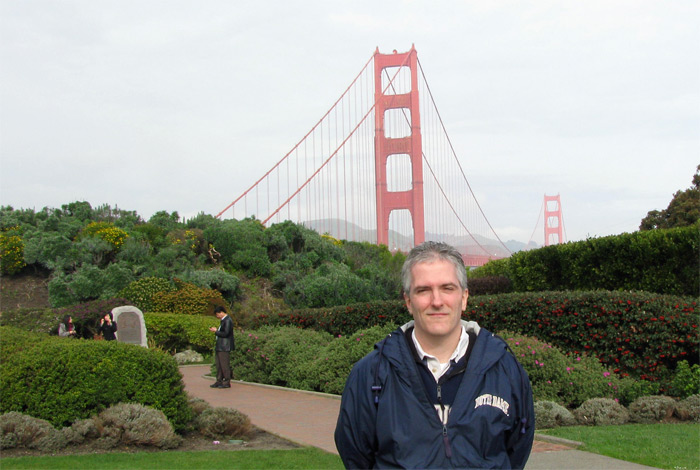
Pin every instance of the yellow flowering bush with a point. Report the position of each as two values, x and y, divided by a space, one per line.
107 232
192 238
331 239
11 253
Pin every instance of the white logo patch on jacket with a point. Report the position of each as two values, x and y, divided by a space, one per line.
492 400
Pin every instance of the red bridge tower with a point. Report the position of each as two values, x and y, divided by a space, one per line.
552 220
411 199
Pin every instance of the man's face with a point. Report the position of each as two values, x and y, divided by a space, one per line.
220 315
436 299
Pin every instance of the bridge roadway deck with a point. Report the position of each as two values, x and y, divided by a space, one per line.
309 418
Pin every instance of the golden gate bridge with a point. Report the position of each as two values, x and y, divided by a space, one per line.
379 167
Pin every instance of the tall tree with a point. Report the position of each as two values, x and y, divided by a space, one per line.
683 210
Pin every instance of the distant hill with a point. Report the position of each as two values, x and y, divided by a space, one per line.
343 230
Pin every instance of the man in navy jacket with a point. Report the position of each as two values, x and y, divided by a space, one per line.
439 392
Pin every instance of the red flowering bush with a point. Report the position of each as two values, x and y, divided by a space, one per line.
637 334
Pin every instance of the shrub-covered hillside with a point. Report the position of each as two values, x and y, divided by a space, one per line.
95 253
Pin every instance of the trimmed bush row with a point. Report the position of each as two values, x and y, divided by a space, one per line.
128 424
63 380
637 334
608 412
301 359
619 262
322 363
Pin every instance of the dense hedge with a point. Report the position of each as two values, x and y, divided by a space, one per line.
322 363
637 334
664 261
62 380
301 359
174 332
344 320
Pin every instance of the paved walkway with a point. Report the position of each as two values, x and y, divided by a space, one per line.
309 418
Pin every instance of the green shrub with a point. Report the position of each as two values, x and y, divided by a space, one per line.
173 332
135 424
222 422
15 340
198 405
489 285
20 430
37 320
686 380
321 363
187 299
549 414
601 412
688 409
250 361
620 262
330 285
216 279
289 351
80 431
334 363
342 320
651 409
560 378
88 283
265 356
63 381
141 292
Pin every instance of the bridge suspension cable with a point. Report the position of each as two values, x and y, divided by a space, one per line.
327 180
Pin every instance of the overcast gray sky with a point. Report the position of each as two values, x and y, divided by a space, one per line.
180 105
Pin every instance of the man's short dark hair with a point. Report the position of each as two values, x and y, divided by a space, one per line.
432 251
218 309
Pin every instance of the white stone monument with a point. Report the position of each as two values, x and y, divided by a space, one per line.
131 328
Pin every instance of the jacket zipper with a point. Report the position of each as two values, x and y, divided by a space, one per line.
445 439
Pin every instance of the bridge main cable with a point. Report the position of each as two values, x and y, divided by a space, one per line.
245 193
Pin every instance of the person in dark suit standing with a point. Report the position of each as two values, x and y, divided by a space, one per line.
224 346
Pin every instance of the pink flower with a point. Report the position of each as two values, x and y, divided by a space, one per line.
605 374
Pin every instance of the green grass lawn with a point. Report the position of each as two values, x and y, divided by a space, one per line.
668 446
305 458
672 446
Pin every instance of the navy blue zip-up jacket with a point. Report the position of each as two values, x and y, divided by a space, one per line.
491 423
